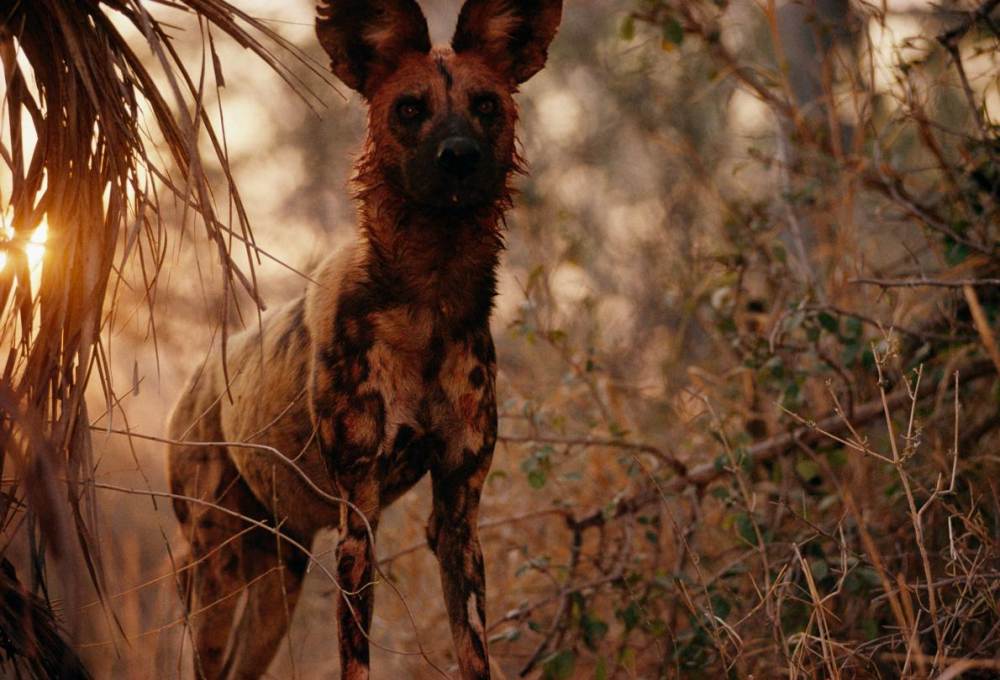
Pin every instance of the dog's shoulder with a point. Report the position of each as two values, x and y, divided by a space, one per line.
324 290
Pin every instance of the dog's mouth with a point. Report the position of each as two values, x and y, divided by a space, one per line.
452 197
465 198
463 201
437 180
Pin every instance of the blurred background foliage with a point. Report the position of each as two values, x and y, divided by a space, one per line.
757 250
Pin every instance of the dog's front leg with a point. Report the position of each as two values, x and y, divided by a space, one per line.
351 426
453 533
355 560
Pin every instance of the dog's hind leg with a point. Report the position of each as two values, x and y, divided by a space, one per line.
201 478
233 566
212 578
273 571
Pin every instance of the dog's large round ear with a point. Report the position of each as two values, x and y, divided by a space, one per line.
513 35
366 38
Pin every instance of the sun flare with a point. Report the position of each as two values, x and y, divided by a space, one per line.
34 248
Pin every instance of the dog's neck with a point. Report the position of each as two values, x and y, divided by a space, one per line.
437 260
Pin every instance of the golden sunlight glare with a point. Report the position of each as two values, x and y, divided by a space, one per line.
34 248
5 236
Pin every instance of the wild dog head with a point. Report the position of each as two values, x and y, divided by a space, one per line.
441 119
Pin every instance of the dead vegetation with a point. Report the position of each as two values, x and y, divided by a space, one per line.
827 509
98 137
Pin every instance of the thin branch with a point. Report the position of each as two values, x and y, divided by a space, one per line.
587 442
932 283
954 34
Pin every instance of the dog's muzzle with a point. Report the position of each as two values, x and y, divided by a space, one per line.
459 156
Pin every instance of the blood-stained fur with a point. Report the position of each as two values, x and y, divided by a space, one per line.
384 369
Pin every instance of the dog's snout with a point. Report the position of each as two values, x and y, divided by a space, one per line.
458 156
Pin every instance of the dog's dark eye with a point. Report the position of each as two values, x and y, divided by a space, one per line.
410 110
485 106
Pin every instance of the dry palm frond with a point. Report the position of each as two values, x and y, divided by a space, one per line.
29 634
75 142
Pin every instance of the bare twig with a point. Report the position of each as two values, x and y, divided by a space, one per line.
983 326
930 283
588 442
954 34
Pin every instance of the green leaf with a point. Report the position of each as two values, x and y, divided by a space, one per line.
594 630
496 476
744 459
617 431
819 568
559 666
672 31
856 583
837 458
775 366
536 479
794 617
808 470
828 322
744 528
720 606
601 669
720 492
869 576
868 360
630 616
852 327
537 466
791 393
626 658
955 253
627 30
657 628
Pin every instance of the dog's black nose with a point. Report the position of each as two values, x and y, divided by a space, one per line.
458 156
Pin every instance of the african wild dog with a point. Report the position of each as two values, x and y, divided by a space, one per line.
384 368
